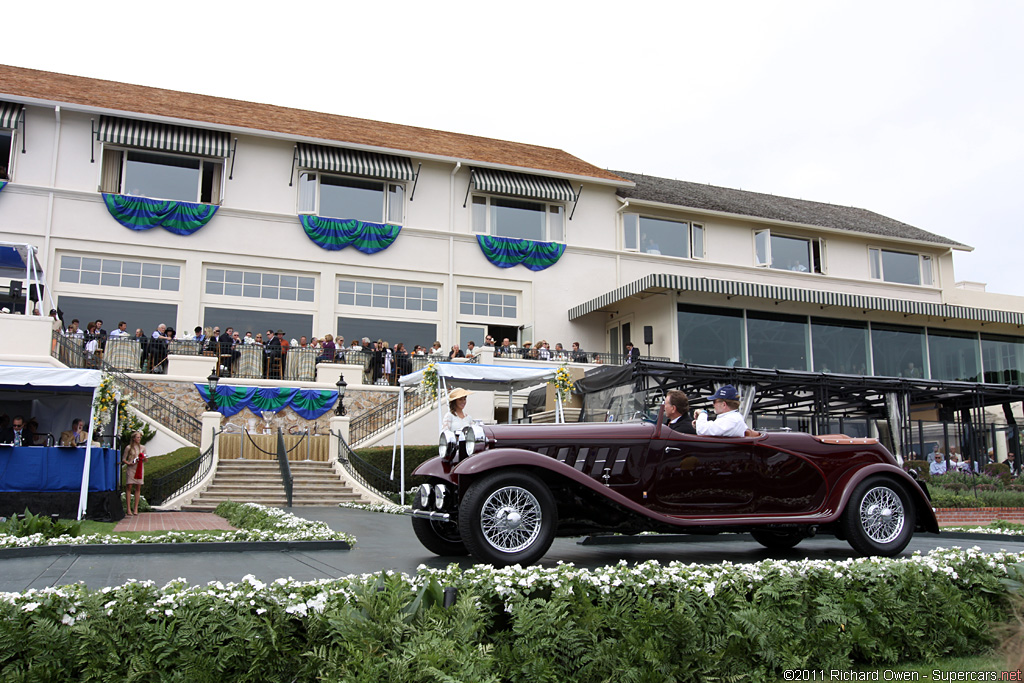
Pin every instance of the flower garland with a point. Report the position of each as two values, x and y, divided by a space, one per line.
106 403
563 382
429 381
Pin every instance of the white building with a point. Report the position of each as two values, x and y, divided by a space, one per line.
720 276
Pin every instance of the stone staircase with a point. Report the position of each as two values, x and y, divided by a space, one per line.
259 481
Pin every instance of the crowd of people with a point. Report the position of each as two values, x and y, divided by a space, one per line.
22 431
940 463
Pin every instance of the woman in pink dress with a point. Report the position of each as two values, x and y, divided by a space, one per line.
134 457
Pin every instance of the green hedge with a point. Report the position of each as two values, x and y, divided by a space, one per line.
380 457
648 622
161 465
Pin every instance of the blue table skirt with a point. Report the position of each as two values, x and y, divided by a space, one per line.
42 468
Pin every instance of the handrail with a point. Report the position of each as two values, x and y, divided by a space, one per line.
382 417
286 470
371 477
158 489
146 400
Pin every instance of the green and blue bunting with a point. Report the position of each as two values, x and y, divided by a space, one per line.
334 234
308 404
506 252
3 184
140 213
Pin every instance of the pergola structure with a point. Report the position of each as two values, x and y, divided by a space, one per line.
821 400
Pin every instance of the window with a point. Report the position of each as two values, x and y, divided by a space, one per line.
387 295
901 267
839 346
798 254
1002 358
519 218
161 176
660 236
777 341
711 336
898 351
259 285
362 199
487 304
6 145
119 273
954 355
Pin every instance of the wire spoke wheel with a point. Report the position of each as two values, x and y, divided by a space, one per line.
511 519
882 514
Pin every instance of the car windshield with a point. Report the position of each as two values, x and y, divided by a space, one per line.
618 404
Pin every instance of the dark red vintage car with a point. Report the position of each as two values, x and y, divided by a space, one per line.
503 493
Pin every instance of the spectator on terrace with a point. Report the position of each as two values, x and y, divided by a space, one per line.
456 352
527 351
197 335
73 330
939 466
543 350
560 353
92 343
505 349
303 342
248 338
328 349
471 349
101 334
577 355
121 331
435 349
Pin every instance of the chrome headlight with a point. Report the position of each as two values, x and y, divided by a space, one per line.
474 437
447 445
424 493
440 491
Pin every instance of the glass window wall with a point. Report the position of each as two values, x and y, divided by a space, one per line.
1002 359
777 341
898 351
710 336
839 346
954 355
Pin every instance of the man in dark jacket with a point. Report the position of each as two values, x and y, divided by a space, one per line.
677 412
18 433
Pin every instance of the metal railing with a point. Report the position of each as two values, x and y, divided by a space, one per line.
183 479
383 416
286 470
594 357
370 476
145 400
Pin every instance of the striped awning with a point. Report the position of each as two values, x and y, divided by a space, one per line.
522 185
9 113
164 137
775 293
355 162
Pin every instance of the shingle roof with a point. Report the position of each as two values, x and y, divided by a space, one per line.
757 205
204 109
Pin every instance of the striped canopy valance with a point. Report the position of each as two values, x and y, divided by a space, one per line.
354 162
164 137
776 293
522 185
9 114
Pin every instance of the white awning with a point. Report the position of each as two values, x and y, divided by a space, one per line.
49 378
479 377
522 185
355 162
162 136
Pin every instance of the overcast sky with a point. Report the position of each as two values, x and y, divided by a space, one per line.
910 109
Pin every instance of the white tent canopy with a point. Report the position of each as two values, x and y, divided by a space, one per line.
472 376
62 380
479 377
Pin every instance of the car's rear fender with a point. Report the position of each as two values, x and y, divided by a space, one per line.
925 515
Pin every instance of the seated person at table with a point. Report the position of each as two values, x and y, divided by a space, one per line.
18 433
328 350
677 412
728 422
76 437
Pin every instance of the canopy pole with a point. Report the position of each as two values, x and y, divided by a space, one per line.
508 418
83 496
401 427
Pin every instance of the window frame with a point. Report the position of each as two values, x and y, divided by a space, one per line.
817 251
550 207
925 267
111 152
159 290
305 173
387 309
238 299
11 156
479 318
690 233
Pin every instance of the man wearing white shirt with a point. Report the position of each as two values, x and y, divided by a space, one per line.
728 421
121 331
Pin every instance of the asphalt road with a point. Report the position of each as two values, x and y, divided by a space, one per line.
387 542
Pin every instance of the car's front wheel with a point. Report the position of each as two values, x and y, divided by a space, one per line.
508 517
439 537
777 540
879 517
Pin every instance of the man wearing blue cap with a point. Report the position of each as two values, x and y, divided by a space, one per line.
728 422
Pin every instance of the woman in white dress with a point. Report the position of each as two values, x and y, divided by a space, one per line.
457 418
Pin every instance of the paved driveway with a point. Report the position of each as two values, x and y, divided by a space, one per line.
387 542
